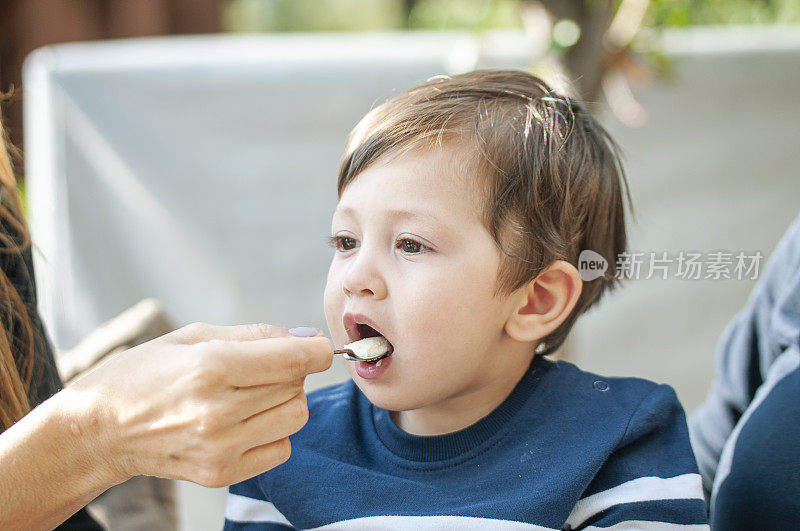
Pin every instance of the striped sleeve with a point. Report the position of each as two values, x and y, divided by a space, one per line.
651 480
248 509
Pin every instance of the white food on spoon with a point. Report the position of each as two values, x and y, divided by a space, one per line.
370 348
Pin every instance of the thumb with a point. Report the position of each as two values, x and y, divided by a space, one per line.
197 332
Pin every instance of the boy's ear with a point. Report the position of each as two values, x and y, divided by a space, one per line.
545 302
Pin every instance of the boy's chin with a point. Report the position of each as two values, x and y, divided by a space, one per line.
387 398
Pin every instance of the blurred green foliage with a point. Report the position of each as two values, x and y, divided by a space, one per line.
249 16
682 13
371 15
465 14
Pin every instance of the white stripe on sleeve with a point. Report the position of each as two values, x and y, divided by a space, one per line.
686 486
643 525
243 509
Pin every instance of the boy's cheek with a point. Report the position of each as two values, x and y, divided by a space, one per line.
332 306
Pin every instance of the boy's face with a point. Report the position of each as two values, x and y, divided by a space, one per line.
414 258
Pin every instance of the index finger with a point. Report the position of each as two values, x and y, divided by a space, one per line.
199 332
274 360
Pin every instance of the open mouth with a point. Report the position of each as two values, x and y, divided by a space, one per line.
357 328
364 331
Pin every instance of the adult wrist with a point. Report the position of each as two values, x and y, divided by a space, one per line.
92 435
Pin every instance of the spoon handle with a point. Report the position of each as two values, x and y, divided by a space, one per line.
346 353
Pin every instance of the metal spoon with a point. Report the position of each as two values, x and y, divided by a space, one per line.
367 349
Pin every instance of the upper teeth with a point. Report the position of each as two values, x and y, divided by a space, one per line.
370 347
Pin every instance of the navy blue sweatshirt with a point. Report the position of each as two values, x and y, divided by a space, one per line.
566 450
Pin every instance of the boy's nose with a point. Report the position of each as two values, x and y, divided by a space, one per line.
363 279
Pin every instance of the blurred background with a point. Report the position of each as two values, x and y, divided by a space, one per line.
187 150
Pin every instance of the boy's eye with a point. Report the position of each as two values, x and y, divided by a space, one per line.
343 243
407 245
346 243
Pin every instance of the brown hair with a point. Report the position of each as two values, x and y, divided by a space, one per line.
552 176
16 331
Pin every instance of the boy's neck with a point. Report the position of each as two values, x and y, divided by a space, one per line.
457 413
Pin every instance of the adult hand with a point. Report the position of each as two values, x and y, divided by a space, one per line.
209 404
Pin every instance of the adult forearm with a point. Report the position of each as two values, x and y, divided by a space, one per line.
52 462
212 405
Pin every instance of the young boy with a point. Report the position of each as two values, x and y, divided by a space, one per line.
463 206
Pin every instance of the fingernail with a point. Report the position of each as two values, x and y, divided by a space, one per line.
304 331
